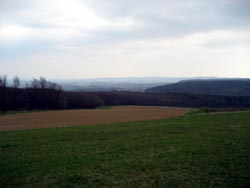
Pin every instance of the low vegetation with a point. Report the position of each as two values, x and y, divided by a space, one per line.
211 110
198 150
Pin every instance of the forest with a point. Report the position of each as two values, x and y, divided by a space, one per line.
41 94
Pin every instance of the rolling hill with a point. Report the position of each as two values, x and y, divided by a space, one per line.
223 87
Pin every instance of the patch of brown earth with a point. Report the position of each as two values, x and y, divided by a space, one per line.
63 118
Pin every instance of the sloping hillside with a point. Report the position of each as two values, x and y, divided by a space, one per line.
225 87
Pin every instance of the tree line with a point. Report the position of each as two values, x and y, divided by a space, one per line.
172 99
41 94
44 95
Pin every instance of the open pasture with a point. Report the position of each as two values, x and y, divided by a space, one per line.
196 150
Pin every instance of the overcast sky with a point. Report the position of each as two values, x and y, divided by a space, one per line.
124 38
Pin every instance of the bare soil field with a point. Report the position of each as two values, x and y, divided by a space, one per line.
64 118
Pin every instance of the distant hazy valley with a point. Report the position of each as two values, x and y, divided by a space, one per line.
138 84
196 85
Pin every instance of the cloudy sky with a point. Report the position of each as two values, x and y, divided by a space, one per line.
124 38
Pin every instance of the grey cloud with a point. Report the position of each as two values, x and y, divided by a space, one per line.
155 19
165 18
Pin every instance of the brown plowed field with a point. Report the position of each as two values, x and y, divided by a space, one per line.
86 117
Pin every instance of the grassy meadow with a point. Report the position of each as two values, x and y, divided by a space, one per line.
196 150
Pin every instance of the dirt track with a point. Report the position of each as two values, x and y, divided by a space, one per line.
86 117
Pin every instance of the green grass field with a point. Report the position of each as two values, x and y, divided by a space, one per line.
197 150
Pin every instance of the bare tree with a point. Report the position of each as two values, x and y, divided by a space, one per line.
16 82
3 81
35 83
3 93
43 82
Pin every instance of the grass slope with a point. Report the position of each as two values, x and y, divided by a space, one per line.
200 150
